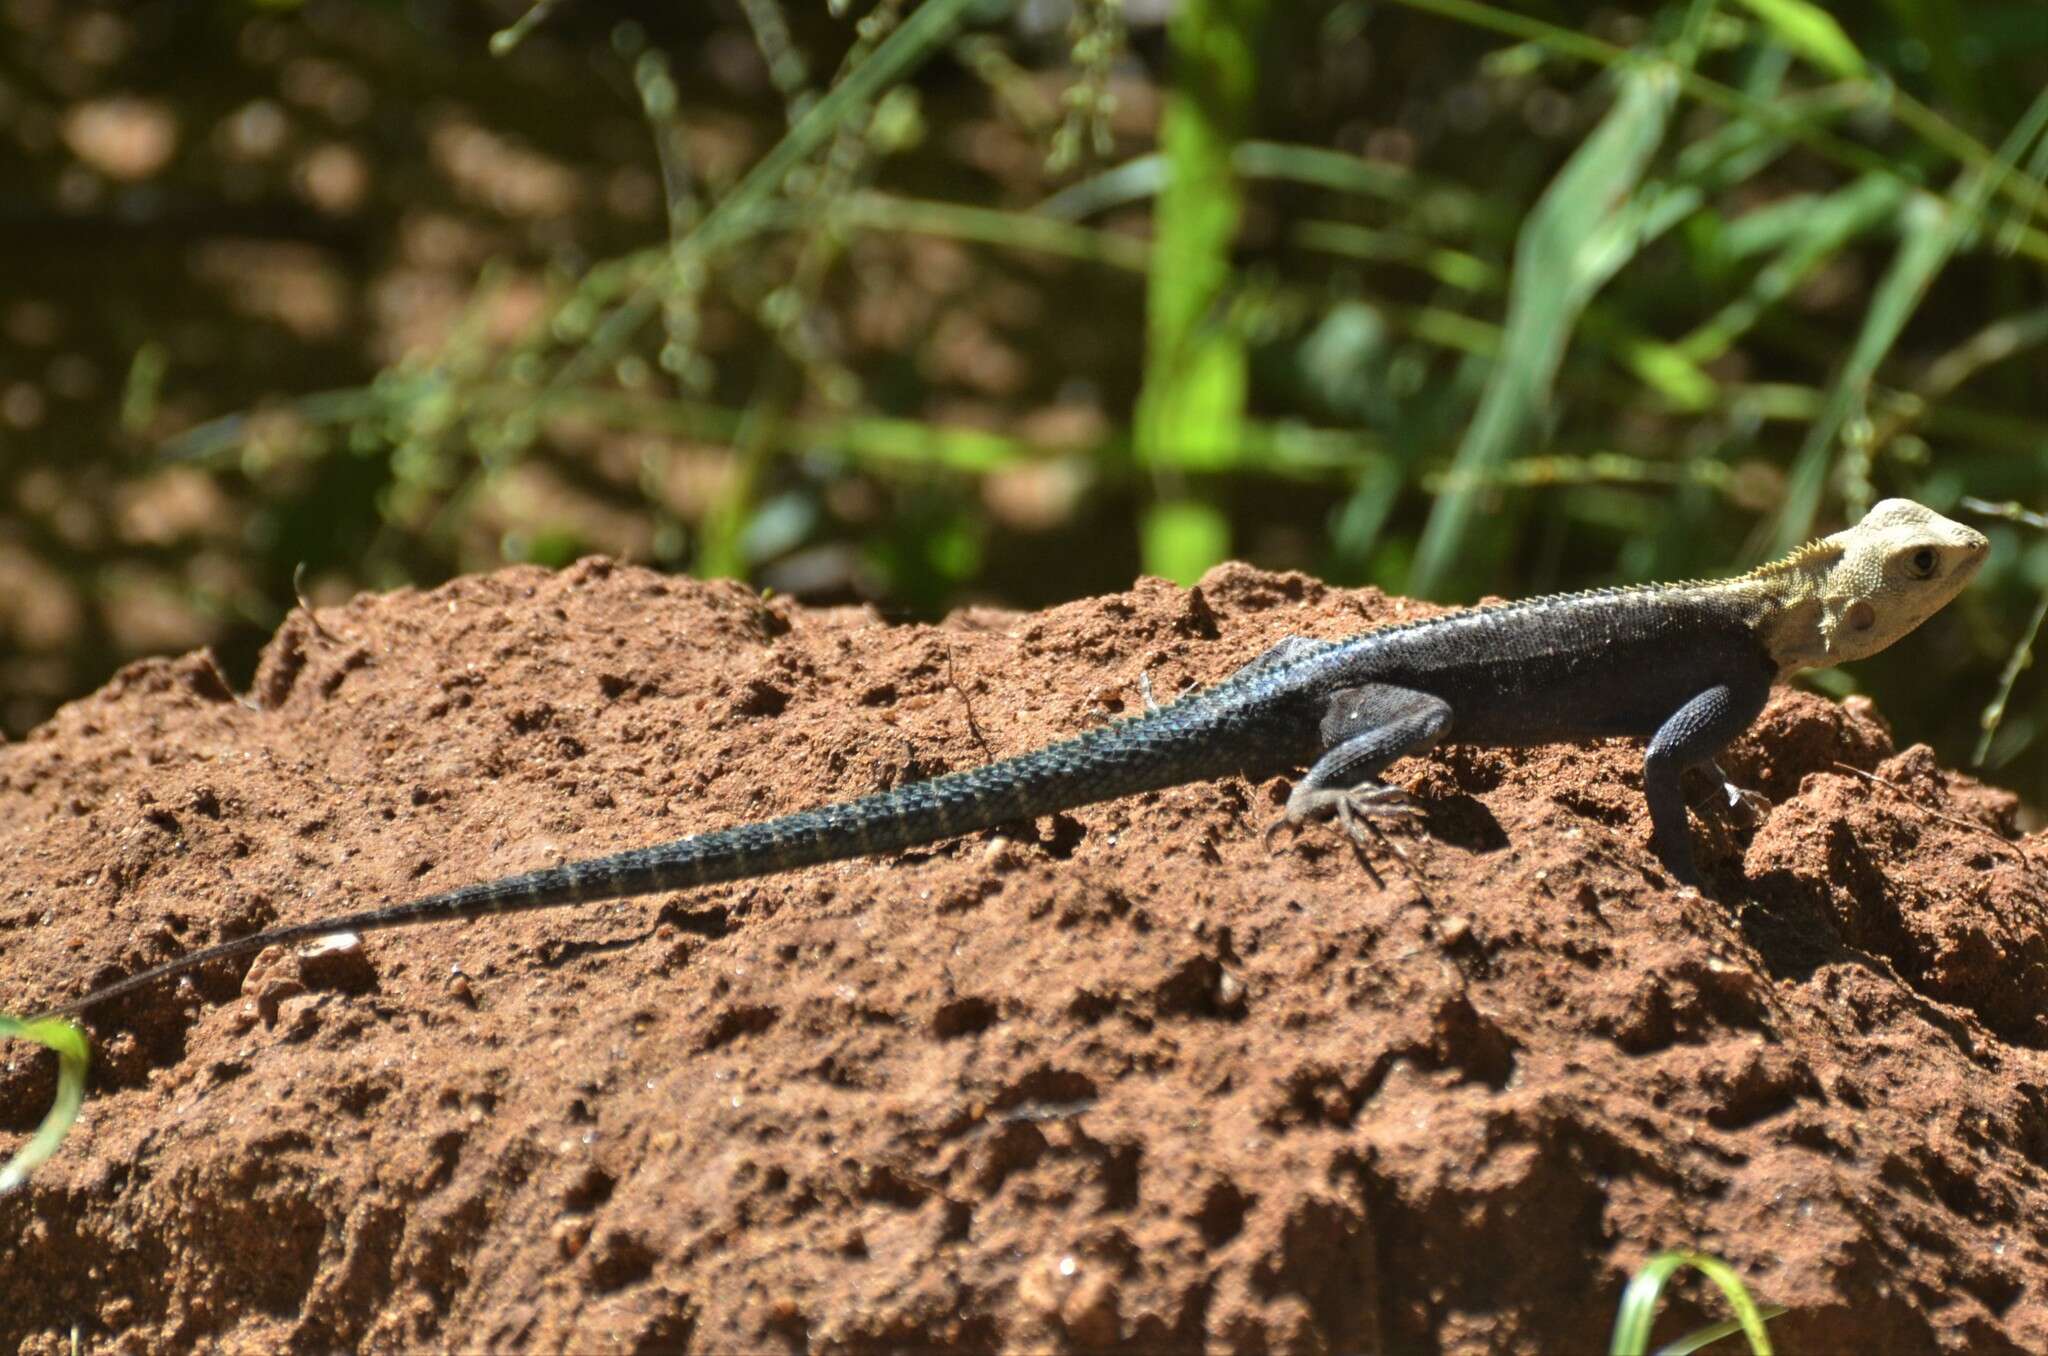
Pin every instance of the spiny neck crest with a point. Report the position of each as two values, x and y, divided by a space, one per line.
1812 558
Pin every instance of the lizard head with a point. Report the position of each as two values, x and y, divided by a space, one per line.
1874 582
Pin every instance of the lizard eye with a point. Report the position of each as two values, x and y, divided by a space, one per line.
1923 561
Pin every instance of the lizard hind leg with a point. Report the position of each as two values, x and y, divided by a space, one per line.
1363 730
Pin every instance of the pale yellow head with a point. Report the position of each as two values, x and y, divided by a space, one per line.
1852 594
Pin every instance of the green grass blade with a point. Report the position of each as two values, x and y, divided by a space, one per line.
1931 231
1639 1306
1452 268
509 37
1664 368
1134 180
916 38
873 211
1821 230
1937 132
737 213
1996 342
1701 1338
721 536
2022 655
1813 33
73 1055
1194 389
1144 176
142 393
1191 404
1581 232
1355 528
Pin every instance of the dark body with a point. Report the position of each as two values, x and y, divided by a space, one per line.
1552 670
1680 665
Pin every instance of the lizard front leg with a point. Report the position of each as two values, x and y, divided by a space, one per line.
1363 730
1692 735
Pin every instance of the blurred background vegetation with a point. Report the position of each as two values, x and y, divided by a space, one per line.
929 301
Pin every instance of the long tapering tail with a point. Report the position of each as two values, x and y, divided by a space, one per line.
1189 741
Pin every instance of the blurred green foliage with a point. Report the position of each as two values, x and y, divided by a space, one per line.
921 301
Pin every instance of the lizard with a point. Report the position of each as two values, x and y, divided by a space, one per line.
1685 666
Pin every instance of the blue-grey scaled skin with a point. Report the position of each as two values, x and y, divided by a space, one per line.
1685 666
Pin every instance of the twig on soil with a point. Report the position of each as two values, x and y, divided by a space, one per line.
1907 796
312 617
953 681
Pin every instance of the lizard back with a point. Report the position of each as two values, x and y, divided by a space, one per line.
1578 666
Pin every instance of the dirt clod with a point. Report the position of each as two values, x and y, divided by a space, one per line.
1122 1080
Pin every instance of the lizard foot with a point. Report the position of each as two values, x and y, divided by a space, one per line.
1356 809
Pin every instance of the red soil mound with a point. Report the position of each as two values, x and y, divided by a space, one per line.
1122 1078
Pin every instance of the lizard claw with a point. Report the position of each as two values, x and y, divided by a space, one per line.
1283 822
